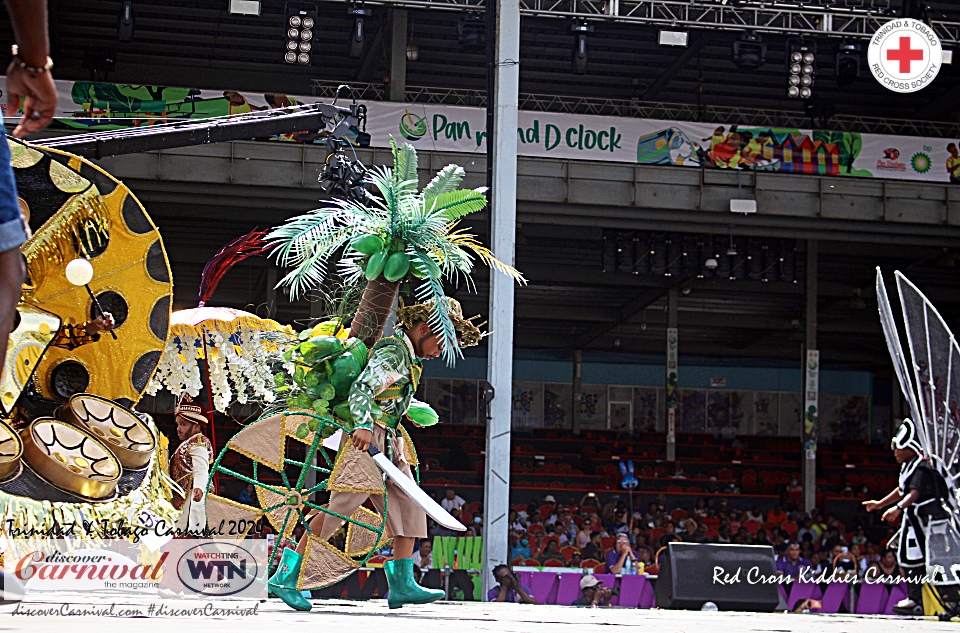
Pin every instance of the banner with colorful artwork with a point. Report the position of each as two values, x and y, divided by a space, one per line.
91 106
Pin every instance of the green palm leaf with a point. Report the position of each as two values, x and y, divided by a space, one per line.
453 205
404 162
446 180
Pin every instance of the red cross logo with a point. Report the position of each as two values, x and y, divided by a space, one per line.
905 54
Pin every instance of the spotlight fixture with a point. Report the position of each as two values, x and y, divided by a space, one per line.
413 51
672 38
711 264
299 27
472 31
357 33
578 56
801 56
749 51
125 26
847 63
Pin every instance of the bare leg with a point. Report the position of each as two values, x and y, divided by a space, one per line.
316 526
403 547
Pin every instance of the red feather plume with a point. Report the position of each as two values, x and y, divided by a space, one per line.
249 245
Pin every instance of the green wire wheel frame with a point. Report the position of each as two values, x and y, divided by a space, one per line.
297 471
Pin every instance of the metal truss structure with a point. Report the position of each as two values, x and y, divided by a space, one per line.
856 19
651 110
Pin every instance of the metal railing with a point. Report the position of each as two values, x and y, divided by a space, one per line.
823 19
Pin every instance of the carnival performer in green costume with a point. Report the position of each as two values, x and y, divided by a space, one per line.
380 398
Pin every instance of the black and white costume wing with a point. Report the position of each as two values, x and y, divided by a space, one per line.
932 388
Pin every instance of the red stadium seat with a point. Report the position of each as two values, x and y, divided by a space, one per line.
568 551
553 562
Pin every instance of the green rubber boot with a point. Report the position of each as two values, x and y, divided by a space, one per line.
403 587
283 583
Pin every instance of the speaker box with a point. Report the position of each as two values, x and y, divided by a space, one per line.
730 576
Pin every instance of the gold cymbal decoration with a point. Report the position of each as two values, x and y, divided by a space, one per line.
79 210
11 451
27 343
120 429
70 458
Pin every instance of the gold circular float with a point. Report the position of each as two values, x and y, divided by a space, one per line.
71 458
120 429
11 451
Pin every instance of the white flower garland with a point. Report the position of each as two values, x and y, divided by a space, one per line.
235 375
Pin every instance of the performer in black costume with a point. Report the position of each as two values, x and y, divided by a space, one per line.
919 497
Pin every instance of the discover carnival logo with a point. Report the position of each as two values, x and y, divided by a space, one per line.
905 55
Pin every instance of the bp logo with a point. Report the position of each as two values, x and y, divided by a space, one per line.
412 128
905 55
920 163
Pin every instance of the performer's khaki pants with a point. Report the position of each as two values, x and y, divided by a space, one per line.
404 517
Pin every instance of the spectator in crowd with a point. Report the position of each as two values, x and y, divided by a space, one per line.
609 510
886 566
551 502
620 524
723 534
423 560
515 523
522 548
452 501
584 535
592 593
510 589
807 528
816 564
551 552
777 515
701 509
622 556
678 473
248 495
594 549
754 514
791 564
691 532
576 560
561 534
859 538
842 562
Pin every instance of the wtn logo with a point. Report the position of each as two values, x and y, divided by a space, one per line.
225 569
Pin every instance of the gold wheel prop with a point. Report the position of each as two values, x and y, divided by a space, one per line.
75 210
260 455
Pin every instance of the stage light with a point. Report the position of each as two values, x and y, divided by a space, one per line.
801 55
301 18
357 33
578 56
245 7
413 52
125 26
847 63
749 51
672 38
472 31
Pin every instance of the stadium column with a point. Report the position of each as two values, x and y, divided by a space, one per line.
398 56
503 225
577 388
810 370
672 375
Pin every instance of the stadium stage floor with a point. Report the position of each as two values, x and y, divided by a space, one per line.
373 616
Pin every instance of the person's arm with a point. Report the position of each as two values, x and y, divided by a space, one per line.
200 462
525 596
379 374
619 564
893 514
29 21
891 498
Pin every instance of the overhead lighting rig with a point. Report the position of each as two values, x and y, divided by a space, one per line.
801 60
300 30
578 56
357 31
